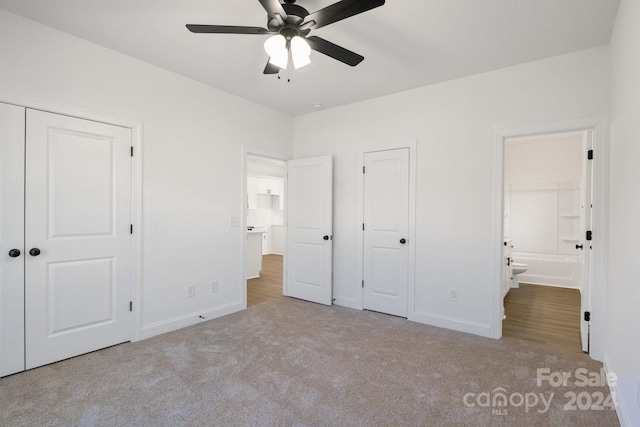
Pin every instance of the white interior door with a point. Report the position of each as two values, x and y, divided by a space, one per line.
77 237
586 244
309 232
386 229
11 239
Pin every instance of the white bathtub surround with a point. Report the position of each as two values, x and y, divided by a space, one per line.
545 206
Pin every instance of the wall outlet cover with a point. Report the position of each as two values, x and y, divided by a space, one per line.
191 291
453 294
214 286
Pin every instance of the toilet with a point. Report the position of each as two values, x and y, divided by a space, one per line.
517 268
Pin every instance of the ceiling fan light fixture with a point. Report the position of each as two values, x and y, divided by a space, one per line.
280 60
276 48
300 52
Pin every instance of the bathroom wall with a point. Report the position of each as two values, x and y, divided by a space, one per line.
544 206
623 339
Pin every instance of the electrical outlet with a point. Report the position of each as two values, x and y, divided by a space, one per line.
214 286
234 221
191 291
453 294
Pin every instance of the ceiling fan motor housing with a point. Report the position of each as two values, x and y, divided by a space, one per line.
295 16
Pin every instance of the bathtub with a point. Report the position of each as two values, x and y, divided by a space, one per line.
550 269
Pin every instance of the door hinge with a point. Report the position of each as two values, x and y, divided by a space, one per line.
132 151
363 226
587 316
590 155
363 169
131 229
589 235
363 283
130 305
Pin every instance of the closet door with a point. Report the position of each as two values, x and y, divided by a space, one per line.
77 238
11 239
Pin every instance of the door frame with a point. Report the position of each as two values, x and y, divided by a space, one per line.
270 154
136 127
358 303
598 292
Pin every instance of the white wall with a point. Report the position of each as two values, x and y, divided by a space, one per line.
623 338
192 165
545 159
455 125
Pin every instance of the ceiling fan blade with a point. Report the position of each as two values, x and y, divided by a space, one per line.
339 11
334 51
226 29
273 8
271 69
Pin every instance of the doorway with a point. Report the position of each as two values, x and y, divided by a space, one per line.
547 222
264 248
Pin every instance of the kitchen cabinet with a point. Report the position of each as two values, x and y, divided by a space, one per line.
259 186
254 253
277 239
252 193
270 187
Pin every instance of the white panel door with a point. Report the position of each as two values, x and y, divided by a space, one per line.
309 236
386 229
11 239
77 238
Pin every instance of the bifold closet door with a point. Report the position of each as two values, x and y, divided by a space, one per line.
77 236
11 239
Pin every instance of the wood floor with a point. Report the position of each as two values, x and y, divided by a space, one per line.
269 285
544 314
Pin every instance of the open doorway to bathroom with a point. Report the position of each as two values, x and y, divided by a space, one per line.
547 214
264 248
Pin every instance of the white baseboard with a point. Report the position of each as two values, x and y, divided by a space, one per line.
623 393
179 322
475 328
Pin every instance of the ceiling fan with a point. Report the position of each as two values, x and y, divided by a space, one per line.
289 26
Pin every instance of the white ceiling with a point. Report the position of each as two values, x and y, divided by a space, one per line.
406 43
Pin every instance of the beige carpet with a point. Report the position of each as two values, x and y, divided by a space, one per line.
293 363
